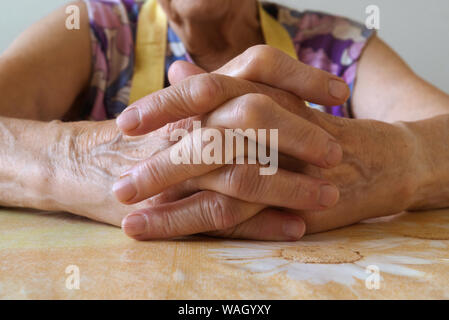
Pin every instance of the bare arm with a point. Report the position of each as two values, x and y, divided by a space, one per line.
431 136
71 167
388 90
46 68
45 163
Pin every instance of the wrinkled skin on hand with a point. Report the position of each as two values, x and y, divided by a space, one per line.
376 178
89 161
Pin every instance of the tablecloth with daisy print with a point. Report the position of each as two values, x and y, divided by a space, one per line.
406 256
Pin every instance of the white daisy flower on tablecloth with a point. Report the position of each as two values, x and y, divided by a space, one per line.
320 262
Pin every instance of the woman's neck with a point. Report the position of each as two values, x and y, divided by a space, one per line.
213 41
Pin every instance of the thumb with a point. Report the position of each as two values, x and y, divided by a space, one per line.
180 70
272 67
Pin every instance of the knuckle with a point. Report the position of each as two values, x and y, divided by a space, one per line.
190 147
173 100
167 221
192 95
148 104
261 54
235 178
149 175
182 95
312 141
305 194
254 108
218 211
168 226
185 124
309 136
245 180
204 88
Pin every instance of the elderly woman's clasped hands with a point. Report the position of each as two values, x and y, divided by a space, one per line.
331 170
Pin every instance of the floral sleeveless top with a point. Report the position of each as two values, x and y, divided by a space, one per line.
327 42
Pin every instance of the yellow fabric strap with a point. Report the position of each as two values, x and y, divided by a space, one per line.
151 45
275 34
151 42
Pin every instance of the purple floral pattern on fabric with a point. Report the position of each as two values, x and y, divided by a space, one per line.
113 29
327 42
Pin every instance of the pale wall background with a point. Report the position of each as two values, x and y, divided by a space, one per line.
417 29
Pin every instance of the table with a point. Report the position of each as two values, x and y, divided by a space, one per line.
61 256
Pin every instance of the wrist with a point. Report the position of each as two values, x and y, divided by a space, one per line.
430 165
25 163
412 161
54 156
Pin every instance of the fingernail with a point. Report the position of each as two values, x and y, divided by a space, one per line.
338 89
135 225
124 189
128 120
328 196
293 229
334 154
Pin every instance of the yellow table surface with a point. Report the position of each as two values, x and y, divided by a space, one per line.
410 251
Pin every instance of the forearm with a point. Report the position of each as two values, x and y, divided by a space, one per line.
431 137
59 166
388 90
418 101
27 162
